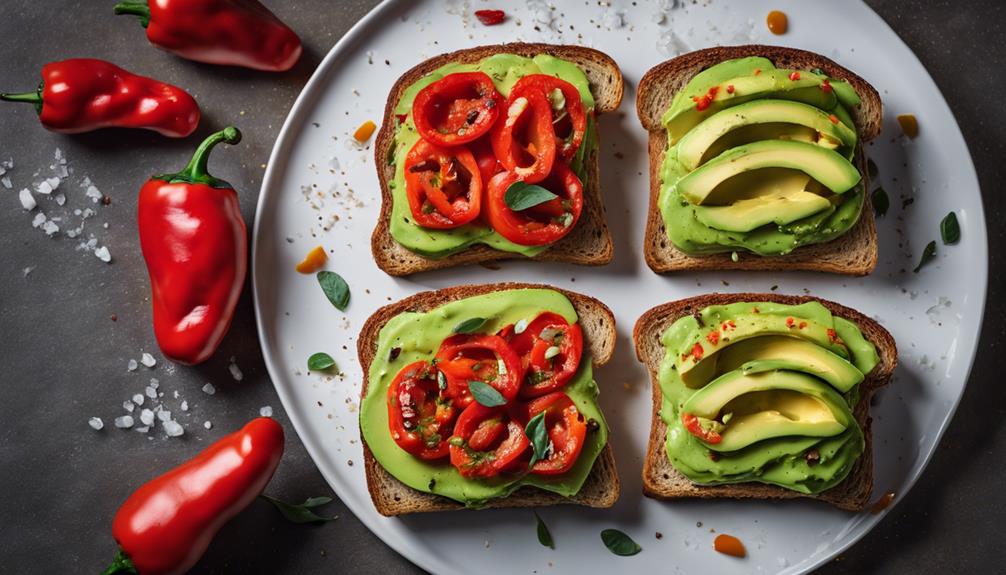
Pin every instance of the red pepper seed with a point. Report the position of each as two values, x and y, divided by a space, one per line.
794 76
730 88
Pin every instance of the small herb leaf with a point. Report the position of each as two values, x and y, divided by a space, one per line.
485 393
927 255
301 513
470 325
544 536
536 432
441 380
871 168
521 196
619 543
950 229
320 361
336 289
881 202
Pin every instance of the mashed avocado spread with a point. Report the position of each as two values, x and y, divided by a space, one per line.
504 70
764 392
417 336
759 159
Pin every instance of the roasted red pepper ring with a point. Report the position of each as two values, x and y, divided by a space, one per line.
84 94
524 140
567 431
227 32
443 185
196 248
542 224
479 357
457 108
569 122
419 420
165 526
486 441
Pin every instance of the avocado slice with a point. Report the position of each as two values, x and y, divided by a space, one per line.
748 408
684 114
774 352
826 166
762 120
749 214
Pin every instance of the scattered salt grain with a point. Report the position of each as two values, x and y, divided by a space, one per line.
27 200
93 193
235 370
164 415
208 425
6 182
173 428
185 406
124 421
155 383
44 187
60 199
143 429
96 423
131 366
138 399
128 406
208 389
53 182
50 228
27 270
151 392
265 411
148 360
146 417
104 255
38 220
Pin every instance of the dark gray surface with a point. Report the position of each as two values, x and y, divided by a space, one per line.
63 360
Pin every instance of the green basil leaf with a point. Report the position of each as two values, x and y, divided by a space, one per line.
336 289
301 513
950 229
485 393
320 361
871 168
619 543
521 196
536 432
881 203
544 536
927 255
470 325
441 380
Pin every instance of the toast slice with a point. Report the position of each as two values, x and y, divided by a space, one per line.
589 243
854 253
392 497
662 481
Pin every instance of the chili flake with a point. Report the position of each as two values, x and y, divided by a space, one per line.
802 325
794 76
790 322
755 310
826 86
833 118
728 325
757 71
703 102
832 335
697 352
713 337
730 88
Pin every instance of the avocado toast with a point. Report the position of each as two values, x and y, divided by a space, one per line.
756 162
770 398
401 247
396 335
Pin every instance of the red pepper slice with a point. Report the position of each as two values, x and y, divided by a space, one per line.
542 224
567 431
490 17
443 185
693 426
420 421
166 525
195 245
489 166
486 441
457 108
524 140
547 374
463 358
228 32
569 122
84 94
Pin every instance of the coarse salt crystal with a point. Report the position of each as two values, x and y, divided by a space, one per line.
6 182
155 383
173 428
146 417
128 406
43 187
60 199
235 371
27 200
143 429
27 270
151 392
93 193
138 399
164 415
208 425
53 182
148 360
132 365
185 406
96 423
103 254
265 411
208 389
38 220
50 228
124 421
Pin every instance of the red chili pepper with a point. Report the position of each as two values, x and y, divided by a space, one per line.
165 526
490 17
195 244
228 32
84 94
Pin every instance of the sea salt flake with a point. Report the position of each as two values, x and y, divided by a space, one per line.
96 423
235 371
6 182
185 406
93 193
143 429
154 382
53 182
27 270
131 366
265 411
38 220
146 417
148 360
208 425
138 399
151 392
43 187
164 415
124 421
60 199
128 406
104 255
50 228
208 389
173 428
27 200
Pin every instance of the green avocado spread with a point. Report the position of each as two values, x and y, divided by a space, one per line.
777 384
759 159
417 336
504 70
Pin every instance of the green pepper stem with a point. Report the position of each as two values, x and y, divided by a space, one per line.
34 98
197 170
135 8
121 564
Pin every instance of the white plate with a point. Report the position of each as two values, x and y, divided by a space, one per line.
934 315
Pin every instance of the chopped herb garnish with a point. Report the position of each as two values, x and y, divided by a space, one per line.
441 380
544 536
301 513
521 196
950 229
470 325
927 255
336 289
619 543
320 361
881 202
485 394
536 432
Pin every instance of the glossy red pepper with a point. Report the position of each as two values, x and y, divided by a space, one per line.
165 526
195 244
84 94
228 32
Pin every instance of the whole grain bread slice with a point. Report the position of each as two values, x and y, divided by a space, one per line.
392 497
662 481
589 243
853 253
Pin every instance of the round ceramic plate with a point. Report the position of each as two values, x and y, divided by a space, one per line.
321 188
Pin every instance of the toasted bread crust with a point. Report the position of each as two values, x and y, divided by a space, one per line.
662 481
854 253
590 241
391 497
